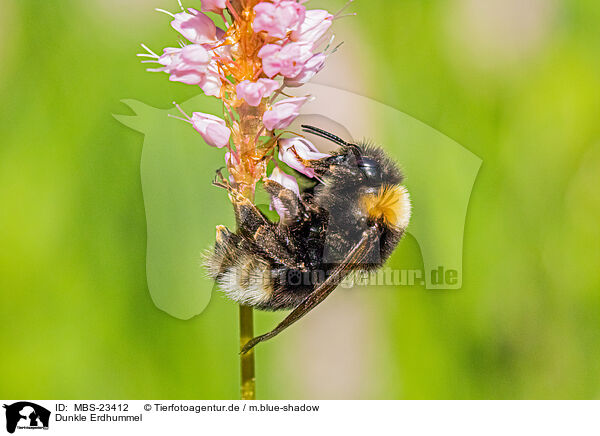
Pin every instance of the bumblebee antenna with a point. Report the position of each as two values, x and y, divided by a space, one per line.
324 134
339 141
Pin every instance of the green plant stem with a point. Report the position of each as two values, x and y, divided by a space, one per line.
248 172
247 380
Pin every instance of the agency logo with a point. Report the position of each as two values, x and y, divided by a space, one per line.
26 415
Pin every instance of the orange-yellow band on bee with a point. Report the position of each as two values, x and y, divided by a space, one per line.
391 203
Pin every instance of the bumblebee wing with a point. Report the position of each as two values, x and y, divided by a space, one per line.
354 257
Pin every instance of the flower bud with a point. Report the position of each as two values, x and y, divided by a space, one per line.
212 129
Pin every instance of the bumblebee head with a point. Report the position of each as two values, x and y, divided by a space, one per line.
364 176
365 164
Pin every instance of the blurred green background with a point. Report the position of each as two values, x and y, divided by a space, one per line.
515 82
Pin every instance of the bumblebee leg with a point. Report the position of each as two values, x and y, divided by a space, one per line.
220 180
224 252
319 165
267 239
309 163
248 217
287 197
222 235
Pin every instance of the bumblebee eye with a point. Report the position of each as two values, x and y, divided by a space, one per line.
362 222
369 167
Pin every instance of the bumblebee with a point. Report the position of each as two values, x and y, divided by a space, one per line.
350 220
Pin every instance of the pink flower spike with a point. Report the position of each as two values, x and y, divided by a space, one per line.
195 54
304 149
314 26
170 58
215 6
288 60
188 64
278 18
283 113
212 129
312 67
285 180
231 158
189 77
288 182
254 92
211 82
196 27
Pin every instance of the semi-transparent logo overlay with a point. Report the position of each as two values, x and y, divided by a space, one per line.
183 208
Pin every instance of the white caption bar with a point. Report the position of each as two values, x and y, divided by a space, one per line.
279 418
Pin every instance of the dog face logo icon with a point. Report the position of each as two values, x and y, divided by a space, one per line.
26 415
